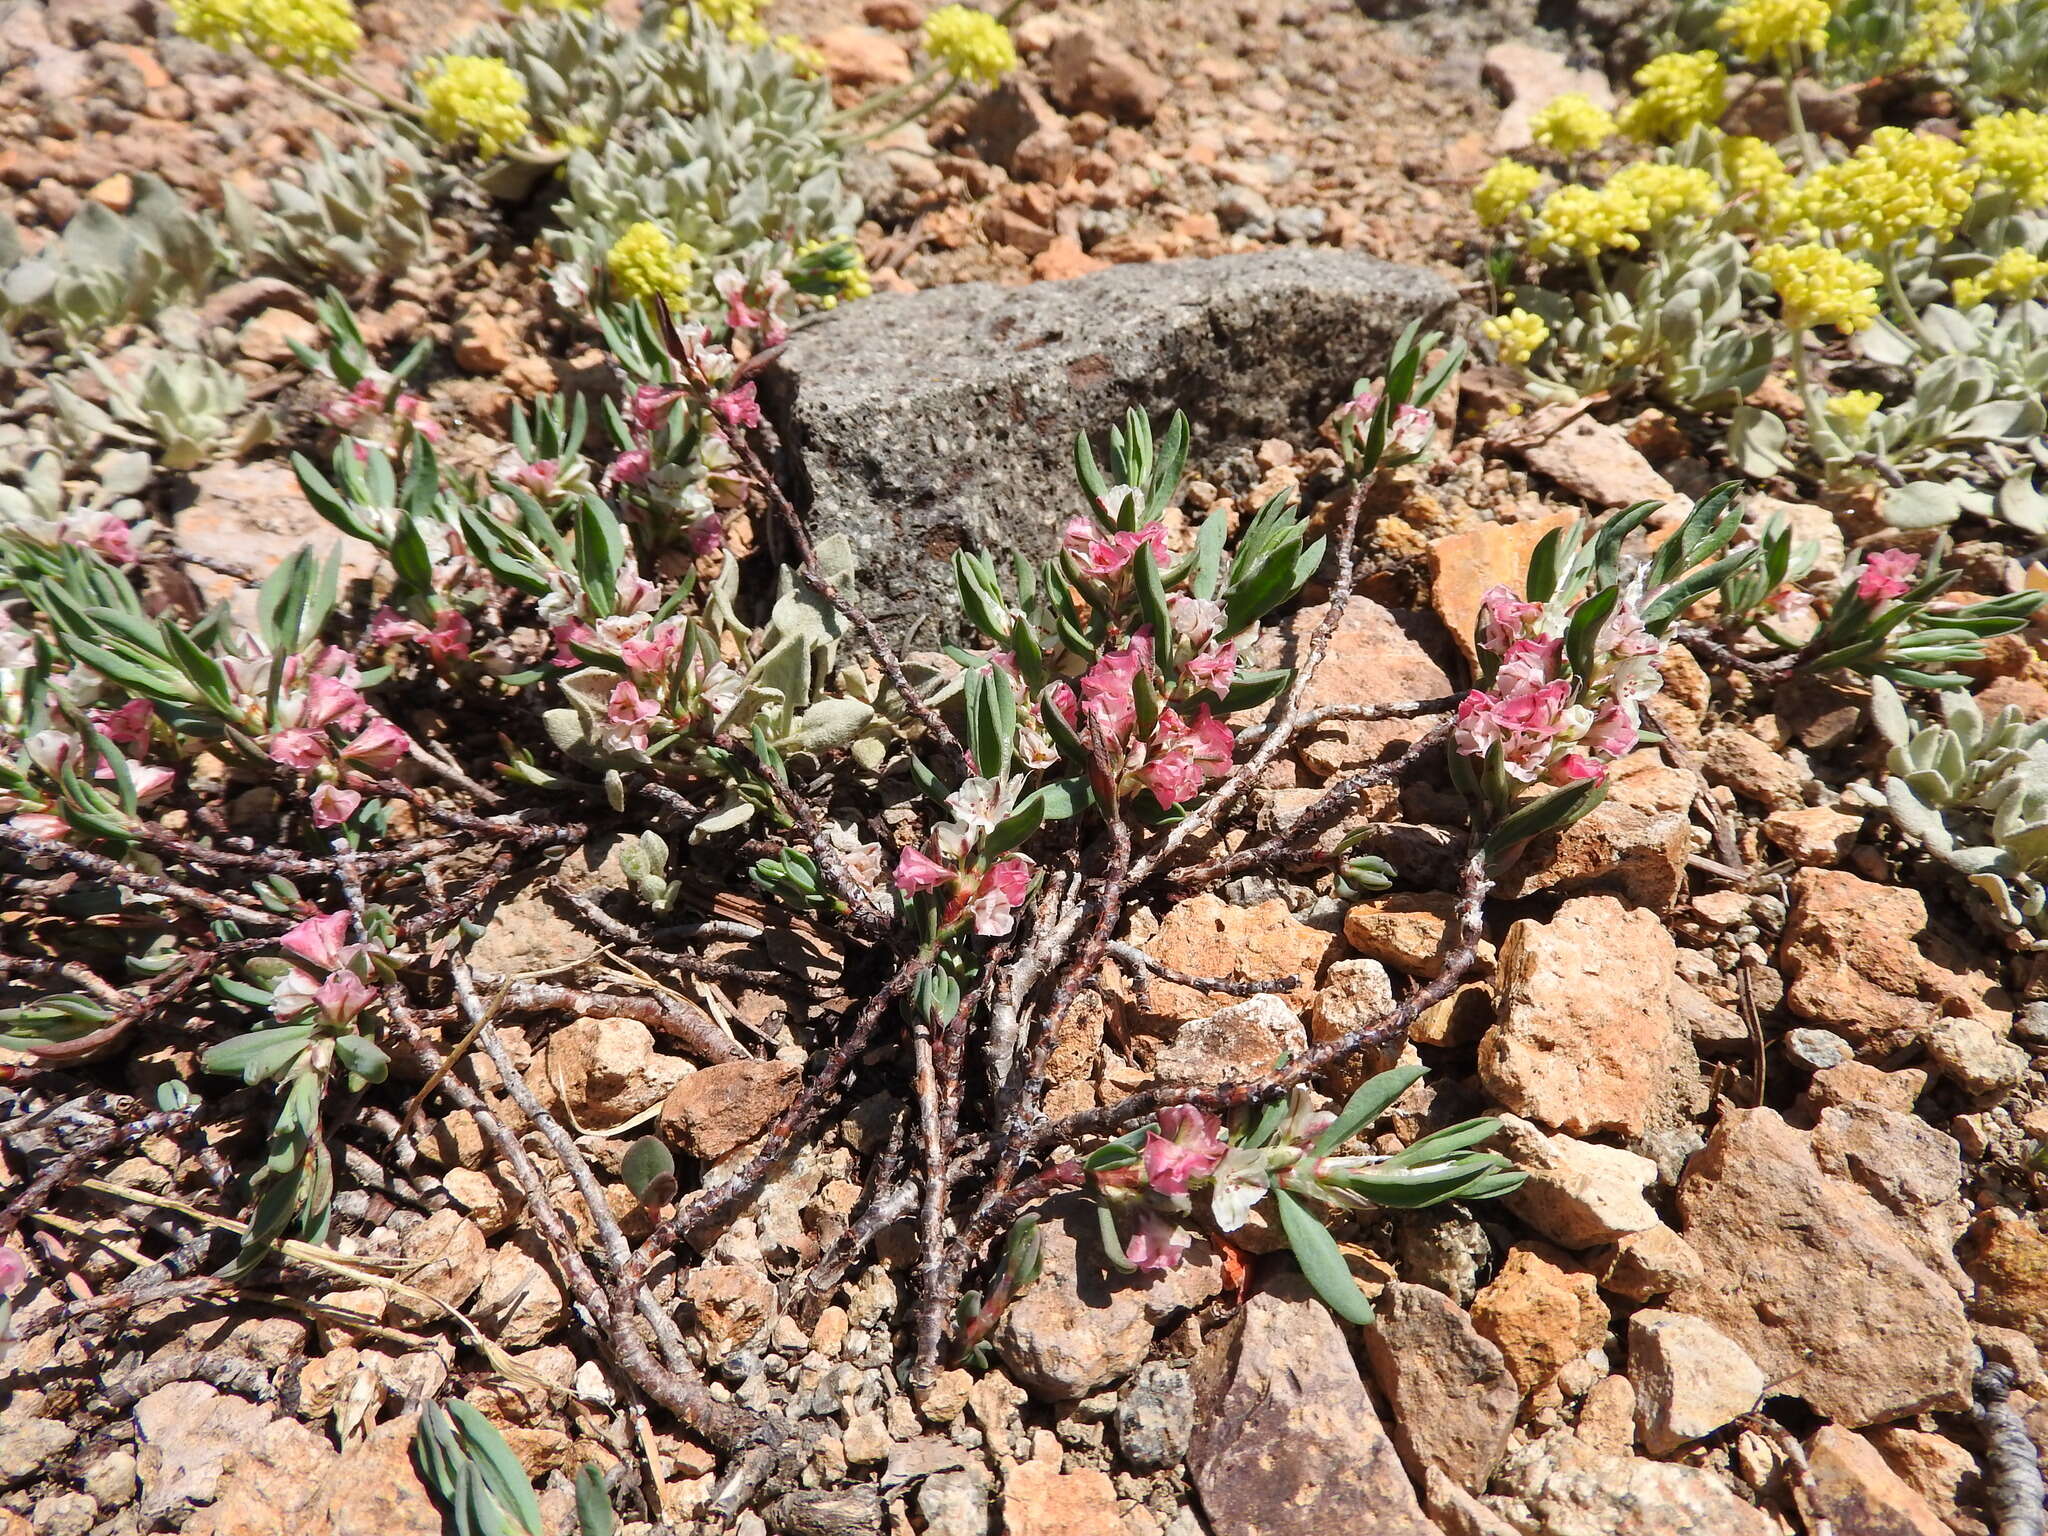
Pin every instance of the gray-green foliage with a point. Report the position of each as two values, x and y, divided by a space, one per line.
41 497
107 266
352 213
184 404
1973 792
739 167
584 72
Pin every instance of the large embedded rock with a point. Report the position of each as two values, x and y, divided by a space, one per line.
1451 1398
1286 1439
924 423
1816 1280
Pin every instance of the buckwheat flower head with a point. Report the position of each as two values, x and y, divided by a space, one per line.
2013 148
1938 25
1751 165
317 36
1571 124
1669 191
1518 334
728 15
809 61
1768 29
1676 93
644 262
1853 408
840 265
473 98
1583 221
1818 285
2016 274
1898 184
970 43
1504 191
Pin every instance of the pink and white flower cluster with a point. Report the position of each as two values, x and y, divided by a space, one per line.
1180 754
49 752
328 983
689 474
1106 554
322 725
1887 573
364 405
1549 725
949 863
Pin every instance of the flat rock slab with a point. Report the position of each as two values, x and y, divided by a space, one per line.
928 422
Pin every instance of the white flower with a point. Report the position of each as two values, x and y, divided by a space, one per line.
1240 1182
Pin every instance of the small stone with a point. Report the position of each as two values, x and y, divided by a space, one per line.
28 1445
1737 759
1587 1039
1817 1049
719 1108
1015 127
116 192
866 1440
1586 457
1541 1312
955 1503
1690 1379
1155 1416
1041 1500
1287 1442
1977 1058
185 1434
1578 1194
446 1257
1581 1486
1648 1264
1816 837
268 336
1452 1401
1635 842
1850 1485
63 1514
1092 73
112 1479
734 1303
1243 1040
488 1200
1408 930
519 1303
483 343
1377 656
2007 1255
1209 937
857 56
602 1072
256 516
1245 211
1301 223
1064 259
1856 1082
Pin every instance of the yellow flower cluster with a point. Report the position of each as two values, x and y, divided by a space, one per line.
1938 27
473 98
1897 184
739 20
1571 124
552 5
645 262
1504 191
1751 165
839 263
1668 191
809 61
971 44
1769 29
1818 285
1518 334
1584 221
2015 275
2013 147
1676 93
1854 408
318 36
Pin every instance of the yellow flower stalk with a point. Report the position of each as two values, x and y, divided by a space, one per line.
1819 285
1584 221
1571 124
1676 93
971 44
473 98
1504 191
644 263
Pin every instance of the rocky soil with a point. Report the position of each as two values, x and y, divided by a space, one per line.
1776 1094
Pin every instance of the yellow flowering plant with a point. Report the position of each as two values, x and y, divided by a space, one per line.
317 36
969 44
474 100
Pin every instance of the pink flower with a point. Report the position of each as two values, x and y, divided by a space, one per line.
1106 688
630 467
1214 668
51 829
366 398
1172 776
449 639
1157 1246
300 749
330 701
707 535
916 872
413 409
1474 730
649 655
127 726
151 783
573 632
1576 768
1535 712
628 714
1624 635
1361 407
1527 664
322 942
13 1271
1613 733
1886 574
1103 558
111 537
1506 619
1410 432
1000 892
1212 742
390 626
378 747
740 315
1187 1146
333 805
342 996
738 407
